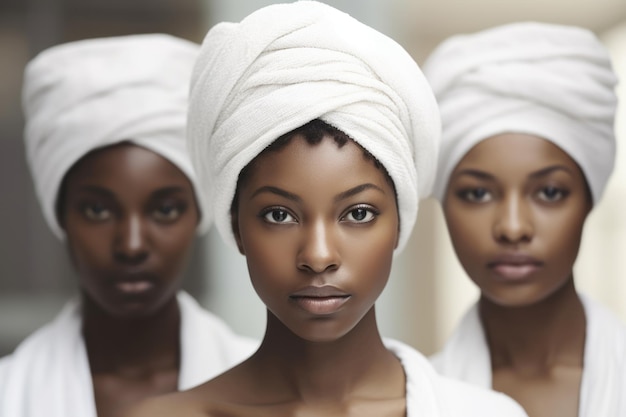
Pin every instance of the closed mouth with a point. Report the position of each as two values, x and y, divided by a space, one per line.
134 287
324 291
134 283
323 300
515 268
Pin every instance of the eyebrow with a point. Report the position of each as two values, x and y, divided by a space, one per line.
548 170
540 173
160 193
95 189
341 196
475 173
165 191
356 190
278 191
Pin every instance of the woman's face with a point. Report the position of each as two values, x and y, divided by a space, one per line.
515 208
318 225
130 217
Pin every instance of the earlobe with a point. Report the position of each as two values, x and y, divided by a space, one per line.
397 237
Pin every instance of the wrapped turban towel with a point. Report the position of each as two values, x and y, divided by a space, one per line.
89 94
550 81
287 64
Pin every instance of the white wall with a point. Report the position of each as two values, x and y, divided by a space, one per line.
600 270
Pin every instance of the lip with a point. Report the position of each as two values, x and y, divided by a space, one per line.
320 301
135 283
514 266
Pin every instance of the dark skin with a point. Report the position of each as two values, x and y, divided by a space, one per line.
310 217
515 208
130 218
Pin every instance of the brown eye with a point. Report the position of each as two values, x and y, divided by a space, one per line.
475 195
167 212
278 216
96 212
360 215
552 194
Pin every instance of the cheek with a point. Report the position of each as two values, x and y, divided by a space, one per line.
271 278
560 236
369 258
374 272
175 244
88 249
468 232
270 258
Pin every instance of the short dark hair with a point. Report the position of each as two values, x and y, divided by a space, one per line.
312 132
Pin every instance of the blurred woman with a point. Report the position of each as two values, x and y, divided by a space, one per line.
105 140
528 146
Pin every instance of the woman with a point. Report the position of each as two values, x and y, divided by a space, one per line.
105 139
528 146
317 135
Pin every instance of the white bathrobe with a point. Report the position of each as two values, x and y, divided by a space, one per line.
429 394
466 357
48 374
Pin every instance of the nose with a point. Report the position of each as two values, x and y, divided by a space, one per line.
318 250
131 243
514 222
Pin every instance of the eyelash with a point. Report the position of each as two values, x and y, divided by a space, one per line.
94 211
562 193
466 195
175 207
370 212
277 209
99 212
370 215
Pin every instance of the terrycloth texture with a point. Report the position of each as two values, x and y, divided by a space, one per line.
466 357
287 64
551 81
429 394
48 374
85 95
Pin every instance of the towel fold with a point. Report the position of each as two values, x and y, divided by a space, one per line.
551 81
85 95
287 64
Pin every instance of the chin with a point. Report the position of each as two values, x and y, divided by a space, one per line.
131 308
515 298
321 332
136 305
130 311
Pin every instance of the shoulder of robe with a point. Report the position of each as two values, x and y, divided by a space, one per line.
466 400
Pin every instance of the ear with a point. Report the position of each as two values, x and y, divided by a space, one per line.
234 224
397 238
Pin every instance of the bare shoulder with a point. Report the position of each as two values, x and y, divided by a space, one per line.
180 403
226 395
201 401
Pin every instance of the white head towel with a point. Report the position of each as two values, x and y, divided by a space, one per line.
85 95
551 81
287 64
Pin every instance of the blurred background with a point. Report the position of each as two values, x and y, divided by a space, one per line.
428 291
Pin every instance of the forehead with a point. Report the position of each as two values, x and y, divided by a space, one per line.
515 154
126 167
301 164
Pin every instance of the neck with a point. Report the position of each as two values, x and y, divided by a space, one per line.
329 371
537 337
132 345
